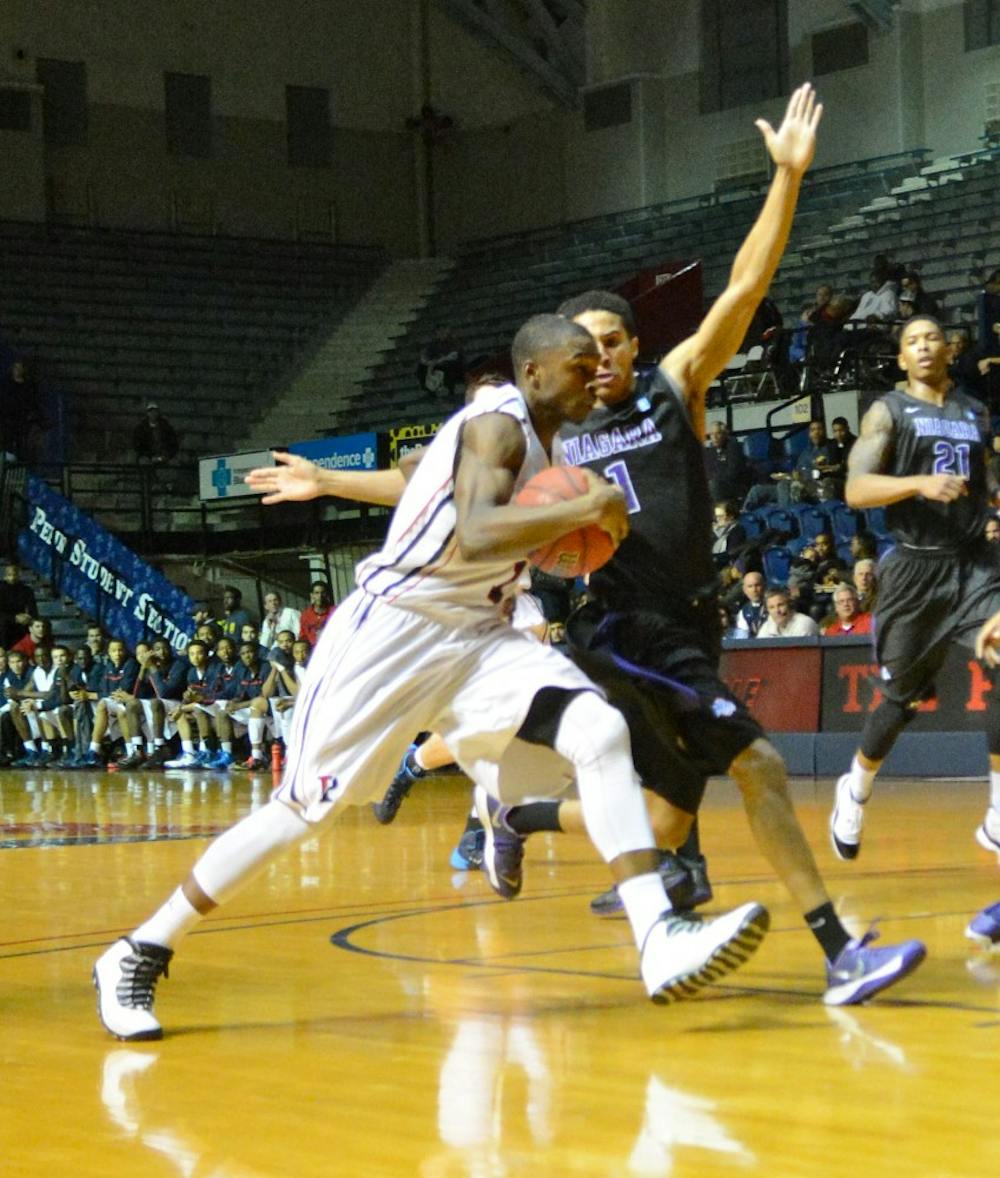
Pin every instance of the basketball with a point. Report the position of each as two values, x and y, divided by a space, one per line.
579 552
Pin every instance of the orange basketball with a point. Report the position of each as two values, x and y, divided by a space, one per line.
578 552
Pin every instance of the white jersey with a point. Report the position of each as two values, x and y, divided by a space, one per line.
420 566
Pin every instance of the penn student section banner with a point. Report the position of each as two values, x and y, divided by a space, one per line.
107 580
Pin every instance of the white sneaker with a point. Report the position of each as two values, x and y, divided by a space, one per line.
683 953
125 978
846 820
988 835
185 761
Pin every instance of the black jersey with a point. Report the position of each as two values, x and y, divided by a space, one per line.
647 446
930 439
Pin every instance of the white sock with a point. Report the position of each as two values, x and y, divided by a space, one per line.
170 922
995 790
187 746
645 901
227 746
255 730
32 747
246 848
861 781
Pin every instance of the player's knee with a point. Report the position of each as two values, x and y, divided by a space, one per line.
759 770
591 722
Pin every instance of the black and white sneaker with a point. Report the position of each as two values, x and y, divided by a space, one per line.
683 953
125 978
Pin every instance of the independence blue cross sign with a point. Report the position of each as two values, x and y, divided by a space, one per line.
222 477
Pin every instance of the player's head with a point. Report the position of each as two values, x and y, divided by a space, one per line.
83 656
61 657
17 660
555 362
924 354
248 654
301 650
117 651
285 640
609 319
163 650
226 650
197 652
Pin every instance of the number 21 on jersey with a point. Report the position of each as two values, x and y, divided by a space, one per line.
949 459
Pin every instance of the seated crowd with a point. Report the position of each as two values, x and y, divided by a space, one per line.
217 706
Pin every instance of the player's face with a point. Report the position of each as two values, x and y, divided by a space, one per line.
300 652
18 661
923 351
285 641
162 650
617 350
60 658
197 655
116 653
562 380
227 651
248 655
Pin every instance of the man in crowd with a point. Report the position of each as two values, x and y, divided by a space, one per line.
782 620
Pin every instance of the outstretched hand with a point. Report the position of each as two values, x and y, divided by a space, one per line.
794 143
294 480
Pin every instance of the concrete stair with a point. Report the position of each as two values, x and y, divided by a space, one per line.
340 364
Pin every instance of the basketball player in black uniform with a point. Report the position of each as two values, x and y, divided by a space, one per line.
922 454
651 637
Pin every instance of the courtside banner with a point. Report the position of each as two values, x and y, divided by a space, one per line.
221 476
109 583
340 452
404 439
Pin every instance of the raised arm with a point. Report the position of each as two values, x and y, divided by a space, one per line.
295 480
867 486
696 362
489 526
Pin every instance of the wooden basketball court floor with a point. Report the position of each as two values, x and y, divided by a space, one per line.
364 1010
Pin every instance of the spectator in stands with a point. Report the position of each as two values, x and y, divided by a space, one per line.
992 529
752 610
277 617
782 620
864 546
815 475
39 634
911 290
234 616
84 682
154 439
848 616
97 642
17 606
317 613
441 367
880 303
864 577
728 534
830 569
988 310
729 473
964 367
250 632
21 419
841 442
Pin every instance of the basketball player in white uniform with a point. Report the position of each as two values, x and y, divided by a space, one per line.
423 644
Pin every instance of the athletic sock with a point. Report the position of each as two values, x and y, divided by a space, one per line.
860 780
170 922
533 816
825 926
644 901
995 790
187 746
691 847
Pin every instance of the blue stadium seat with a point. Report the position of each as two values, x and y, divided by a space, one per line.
777 562
757 445
845 523
781 520
814 519
797 543
875 520
792 444
753 523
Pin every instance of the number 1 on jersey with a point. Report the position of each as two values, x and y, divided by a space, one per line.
617 472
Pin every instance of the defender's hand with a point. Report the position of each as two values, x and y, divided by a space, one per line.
294 480
794 143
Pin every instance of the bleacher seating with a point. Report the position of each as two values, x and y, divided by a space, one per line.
202 325
498 282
